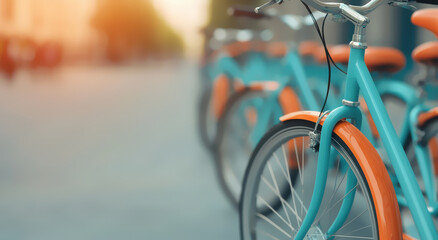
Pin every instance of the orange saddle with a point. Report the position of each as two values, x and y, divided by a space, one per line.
236 49
277 49
378 59
308 48
384 59
426 53
426 18
339 53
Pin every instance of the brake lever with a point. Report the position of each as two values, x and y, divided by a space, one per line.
268 4
403 4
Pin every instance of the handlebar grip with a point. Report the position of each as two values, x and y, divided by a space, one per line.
434 2
246 13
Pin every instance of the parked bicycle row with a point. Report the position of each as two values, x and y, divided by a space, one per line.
18 52
303 144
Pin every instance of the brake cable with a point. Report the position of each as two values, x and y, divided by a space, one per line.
327 53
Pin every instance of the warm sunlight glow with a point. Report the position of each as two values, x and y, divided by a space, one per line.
187 17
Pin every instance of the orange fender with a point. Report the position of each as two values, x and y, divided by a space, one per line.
251 116
433 151
289 100
220 94
407 237
382 190
424 117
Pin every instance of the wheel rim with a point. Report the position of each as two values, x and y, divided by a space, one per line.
210 123
235 148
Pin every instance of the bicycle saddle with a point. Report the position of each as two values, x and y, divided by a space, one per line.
426 53
377 59
339 53
384 59
277 49
308 48
236 49
426 18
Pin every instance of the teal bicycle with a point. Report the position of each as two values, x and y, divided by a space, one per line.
297 75
349 198
234 53
280 86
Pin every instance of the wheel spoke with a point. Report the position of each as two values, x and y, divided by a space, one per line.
268 235
337 202
278 195
355 230
289 180
349 237
352 220
275 212
298 162
278 191
331 197
273 224
302 183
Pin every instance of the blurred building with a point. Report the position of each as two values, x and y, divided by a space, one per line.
63 21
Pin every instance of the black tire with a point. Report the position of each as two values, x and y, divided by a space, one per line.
222 161
206 137
268 145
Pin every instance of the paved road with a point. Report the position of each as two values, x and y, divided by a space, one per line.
107 153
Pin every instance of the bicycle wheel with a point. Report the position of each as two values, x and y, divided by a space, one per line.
429 141
284 223
211 107
207 123
397 110
234 146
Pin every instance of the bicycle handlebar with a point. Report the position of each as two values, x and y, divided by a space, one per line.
237 12
294 22
433 2
337 8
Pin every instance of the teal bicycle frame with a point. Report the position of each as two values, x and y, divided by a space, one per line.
359 79
301 76
295 72
415 105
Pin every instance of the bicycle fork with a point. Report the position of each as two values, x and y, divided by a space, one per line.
323 166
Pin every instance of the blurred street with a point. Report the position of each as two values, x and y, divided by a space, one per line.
107 152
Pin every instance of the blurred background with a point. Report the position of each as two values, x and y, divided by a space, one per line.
98 135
